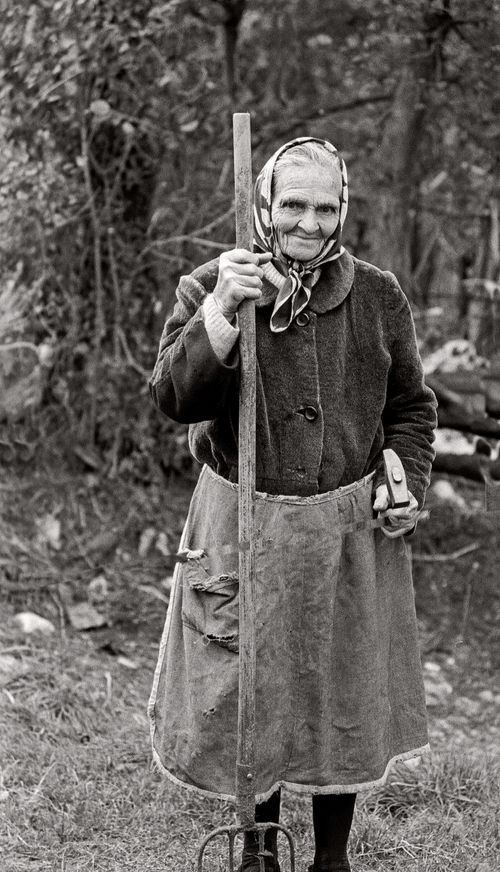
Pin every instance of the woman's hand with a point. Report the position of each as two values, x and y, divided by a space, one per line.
240 278
399 521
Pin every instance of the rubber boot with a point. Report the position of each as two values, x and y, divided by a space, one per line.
332 819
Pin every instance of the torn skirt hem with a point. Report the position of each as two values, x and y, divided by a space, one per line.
304 789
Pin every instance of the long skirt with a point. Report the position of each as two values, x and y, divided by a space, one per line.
339 691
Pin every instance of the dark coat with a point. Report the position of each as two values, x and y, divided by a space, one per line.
333 390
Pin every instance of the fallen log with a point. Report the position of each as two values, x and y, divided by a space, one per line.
478 390
455 414
466 465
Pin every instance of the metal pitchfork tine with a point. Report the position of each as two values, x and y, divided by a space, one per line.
245 762
231 831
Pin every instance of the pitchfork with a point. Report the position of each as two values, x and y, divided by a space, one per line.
245 761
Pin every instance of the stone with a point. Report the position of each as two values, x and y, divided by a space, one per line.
29 622
84 616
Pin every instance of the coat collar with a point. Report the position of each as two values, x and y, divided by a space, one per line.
333 285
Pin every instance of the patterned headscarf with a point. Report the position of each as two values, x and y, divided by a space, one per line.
294 292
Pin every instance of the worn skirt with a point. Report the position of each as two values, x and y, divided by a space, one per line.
339 693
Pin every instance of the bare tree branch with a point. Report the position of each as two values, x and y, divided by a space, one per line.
323 112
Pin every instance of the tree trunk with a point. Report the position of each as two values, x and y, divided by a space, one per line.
390 226
391 235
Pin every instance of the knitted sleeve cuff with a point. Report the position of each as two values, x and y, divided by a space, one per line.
221 333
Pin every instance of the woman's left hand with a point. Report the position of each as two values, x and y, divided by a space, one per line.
398 521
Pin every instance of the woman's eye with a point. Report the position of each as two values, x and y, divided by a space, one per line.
327 210
293 205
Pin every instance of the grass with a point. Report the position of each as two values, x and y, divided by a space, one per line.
78 791
442 816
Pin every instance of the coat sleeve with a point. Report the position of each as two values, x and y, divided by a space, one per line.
409 417
189 382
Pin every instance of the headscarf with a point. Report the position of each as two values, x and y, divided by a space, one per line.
294 292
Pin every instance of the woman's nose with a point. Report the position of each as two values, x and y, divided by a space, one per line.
309 221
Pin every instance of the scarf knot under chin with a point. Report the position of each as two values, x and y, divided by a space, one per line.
294 292
294 289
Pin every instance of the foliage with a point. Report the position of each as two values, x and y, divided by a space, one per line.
116 168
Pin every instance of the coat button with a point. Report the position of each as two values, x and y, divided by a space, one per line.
302 319
310 413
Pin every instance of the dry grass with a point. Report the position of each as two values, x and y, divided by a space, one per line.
77 788
79 792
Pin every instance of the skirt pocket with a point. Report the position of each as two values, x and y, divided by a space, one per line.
210 603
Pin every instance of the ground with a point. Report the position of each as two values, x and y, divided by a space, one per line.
78 791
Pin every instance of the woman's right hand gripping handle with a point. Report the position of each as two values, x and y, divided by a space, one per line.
240 278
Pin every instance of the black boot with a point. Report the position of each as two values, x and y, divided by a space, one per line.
265 812
332 819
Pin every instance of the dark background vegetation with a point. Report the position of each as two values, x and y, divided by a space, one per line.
116 177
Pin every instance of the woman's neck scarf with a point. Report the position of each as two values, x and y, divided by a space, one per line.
294 289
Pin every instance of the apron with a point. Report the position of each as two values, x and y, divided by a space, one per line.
339 690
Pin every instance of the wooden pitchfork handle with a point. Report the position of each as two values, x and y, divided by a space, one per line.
245 760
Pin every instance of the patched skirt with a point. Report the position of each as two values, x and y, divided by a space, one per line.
339 693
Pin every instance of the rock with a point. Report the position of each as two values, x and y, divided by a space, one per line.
29 622
84 616
487 696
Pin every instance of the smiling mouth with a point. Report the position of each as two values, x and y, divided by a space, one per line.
307 238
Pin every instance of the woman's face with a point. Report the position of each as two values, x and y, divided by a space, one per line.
305 209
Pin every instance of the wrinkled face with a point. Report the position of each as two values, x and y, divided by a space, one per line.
305 209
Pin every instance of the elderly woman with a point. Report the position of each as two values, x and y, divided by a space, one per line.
339 378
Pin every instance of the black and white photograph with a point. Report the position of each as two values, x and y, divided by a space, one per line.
250 436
